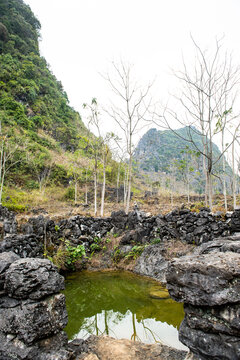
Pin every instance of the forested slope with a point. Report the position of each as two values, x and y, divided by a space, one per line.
38 125
167 152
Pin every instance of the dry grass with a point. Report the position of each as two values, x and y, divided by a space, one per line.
52 201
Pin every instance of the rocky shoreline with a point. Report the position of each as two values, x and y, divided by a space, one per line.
33 315
205 276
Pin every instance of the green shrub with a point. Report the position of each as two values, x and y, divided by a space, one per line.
32 184
95 247
69 194
74 254
118 255
135 252
15 207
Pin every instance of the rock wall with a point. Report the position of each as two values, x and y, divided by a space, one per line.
138 227
209 285
32 311
135 228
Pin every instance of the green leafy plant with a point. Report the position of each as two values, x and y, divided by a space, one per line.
95 247
135 252
118 255
156 241
73 254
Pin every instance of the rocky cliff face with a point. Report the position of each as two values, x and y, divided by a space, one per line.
161 152
32 311
209 285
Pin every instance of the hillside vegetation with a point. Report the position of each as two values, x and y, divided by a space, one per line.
44 139
165 154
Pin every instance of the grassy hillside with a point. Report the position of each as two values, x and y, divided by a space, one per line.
31 97
39 130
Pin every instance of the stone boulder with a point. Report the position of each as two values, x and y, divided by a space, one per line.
219 245
119 219
107 348
209 284
210 345
33 279
51 348
152 263
6 259
32 313
31 321
205 279
223 319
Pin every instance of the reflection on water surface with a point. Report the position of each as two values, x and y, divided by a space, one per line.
121 305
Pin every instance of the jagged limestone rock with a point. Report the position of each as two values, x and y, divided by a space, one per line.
210 279
33 279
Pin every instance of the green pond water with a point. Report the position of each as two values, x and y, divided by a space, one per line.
121 305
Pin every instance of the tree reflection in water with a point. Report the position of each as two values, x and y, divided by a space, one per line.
122 305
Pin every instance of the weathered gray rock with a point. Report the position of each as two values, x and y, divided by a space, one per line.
152 263
223 319
210 345
33 279
53 348
32 321
6 259
23 245
211 279
137 236
219 245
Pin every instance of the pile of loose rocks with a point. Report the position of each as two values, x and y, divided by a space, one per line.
209 285
32 311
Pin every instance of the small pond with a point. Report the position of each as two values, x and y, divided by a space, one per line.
121 305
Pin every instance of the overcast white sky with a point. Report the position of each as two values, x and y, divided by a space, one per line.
81 37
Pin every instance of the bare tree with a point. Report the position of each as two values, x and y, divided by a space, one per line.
129 110
100 149
209 91
8 151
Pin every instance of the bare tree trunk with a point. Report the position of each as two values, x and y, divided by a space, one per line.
95 192
171 195
3 165
188 192
86 190
234 176
126 185
209 189
224 163
129 184
95 184
75 192
118 178
188 181
103 189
